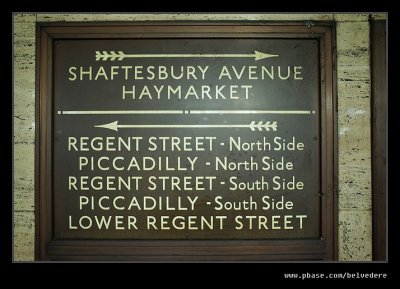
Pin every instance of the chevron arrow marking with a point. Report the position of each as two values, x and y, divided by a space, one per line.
120 55
268 126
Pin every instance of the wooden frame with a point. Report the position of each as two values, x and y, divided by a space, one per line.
379 139
49 249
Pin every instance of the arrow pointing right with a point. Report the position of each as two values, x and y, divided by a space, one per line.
120 55
261 55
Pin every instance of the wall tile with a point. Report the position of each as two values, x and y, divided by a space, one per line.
351 17
183 16
24 176
24 17
355 236
379 16
24 236
352 43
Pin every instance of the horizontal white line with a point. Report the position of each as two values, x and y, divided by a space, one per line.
122 112
87 112
181 125
182 55
250 112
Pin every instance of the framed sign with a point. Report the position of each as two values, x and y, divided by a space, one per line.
186 142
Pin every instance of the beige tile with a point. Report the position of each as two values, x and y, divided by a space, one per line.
24 236
24 184
354 138
354 143
24 54
354 89
354 118
24 82
25 63
353 73
24 112
24 130
352 35
351 17
355 236
283 17
354 150
379 16
352 43
24 17
354 157
357 56
24 103
24 29
24 194
24 46
355 185
24 124
183 16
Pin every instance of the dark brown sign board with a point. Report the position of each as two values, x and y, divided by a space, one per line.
186 142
